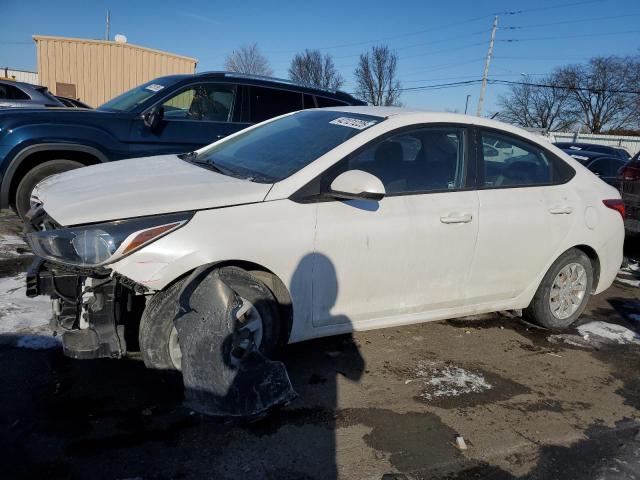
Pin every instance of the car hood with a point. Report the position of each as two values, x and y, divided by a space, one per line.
139 187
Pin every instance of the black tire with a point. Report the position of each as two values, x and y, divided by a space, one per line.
156 323
539 310
35 176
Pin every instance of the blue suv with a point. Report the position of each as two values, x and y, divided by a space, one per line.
173 114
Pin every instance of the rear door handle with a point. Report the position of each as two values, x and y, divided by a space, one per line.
457 219
561 210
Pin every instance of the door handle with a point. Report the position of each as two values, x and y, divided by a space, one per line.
457 219
561 210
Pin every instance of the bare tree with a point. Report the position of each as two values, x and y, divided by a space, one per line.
376 81
549 107
248 59
603 92
313 68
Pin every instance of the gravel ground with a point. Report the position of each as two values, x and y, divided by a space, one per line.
382 404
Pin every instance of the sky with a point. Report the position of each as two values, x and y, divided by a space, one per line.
436 42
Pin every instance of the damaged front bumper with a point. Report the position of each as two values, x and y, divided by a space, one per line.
96 313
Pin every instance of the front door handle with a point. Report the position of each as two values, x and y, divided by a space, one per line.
457 219
561 210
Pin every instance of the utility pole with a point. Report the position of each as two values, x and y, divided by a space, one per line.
486 66
466 104
108 25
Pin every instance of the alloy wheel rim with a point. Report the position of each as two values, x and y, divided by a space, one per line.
250 329
568 291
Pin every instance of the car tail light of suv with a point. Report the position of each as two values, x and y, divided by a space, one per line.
616 204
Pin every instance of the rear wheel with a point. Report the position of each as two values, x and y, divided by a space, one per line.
258 320
563 293
35 176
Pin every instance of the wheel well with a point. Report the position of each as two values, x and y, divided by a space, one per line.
38 158
595 262
273 282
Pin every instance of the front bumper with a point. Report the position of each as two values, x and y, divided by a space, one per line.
95 315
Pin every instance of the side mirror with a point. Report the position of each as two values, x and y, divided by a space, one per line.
153 117
356 184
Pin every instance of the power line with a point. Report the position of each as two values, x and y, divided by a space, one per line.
551 7
562 37
562 87
566 22
476 81
423 44
393 37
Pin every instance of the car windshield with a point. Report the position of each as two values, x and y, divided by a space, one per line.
277 149
136 96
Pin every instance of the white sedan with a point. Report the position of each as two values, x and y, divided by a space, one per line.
326 221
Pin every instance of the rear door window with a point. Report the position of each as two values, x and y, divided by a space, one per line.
266 103
510 162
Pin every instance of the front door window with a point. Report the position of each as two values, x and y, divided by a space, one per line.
203 102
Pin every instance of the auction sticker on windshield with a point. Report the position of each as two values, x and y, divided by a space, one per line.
353 122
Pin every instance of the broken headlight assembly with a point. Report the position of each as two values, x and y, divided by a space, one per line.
102 243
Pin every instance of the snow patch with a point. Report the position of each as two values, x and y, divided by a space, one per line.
626 281
23 317
19 312
608 333
12 245
443 380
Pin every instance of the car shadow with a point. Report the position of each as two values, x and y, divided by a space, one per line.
62 418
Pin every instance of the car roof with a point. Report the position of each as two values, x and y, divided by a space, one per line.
260 79
584 145
587 153
425 116
19 84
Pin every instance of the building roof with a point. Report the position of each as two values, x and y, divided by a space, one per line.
37 38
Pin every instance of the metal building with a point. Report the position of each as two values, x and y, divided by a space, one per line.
95 71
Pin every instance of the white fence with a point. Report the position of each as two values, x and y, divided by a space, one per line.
629 143
19 75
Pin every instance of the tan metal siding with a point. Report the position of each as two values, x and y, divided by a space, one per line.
101 70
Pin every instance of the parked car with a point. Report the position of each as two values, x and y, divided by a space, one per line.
25 95
173 114
72 102
594 147
321 222
603 165
629 180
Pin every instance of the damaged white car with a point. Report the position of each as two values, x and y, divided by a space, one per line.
317 223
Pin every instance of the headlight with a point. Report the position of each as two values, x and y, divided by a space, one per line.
103 243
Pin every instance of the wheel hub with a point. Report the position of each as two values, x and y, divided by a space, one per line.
568 290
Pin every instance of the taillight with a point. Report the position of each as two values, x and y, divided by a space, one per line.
629 173
616 204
